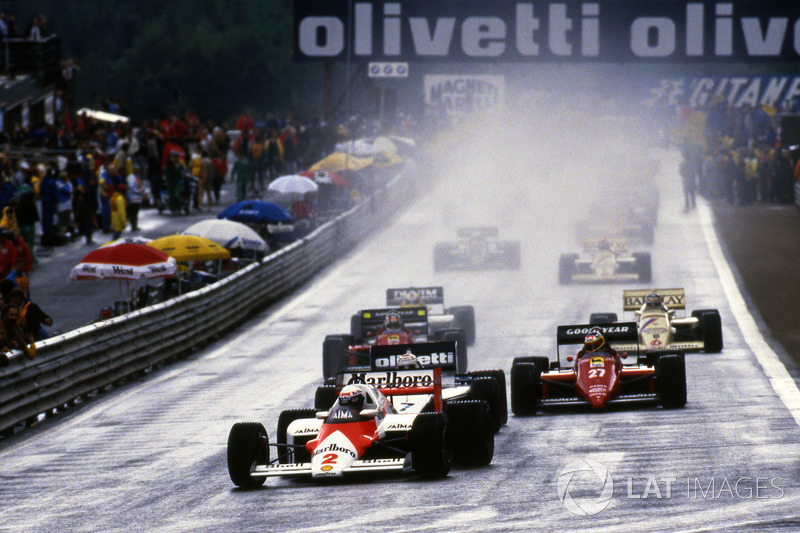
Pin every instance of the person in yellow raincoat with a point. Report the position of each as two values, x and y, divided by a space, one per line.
119 219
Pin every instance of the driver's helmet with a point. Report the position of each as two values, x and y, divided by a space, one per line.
594 341
412 297
393 321
352 396
604 244
653 301
407 361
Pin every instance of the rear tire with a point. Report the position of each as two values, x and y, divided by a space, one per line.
460 338
488 390
290 455
324 397
643 267
334 355
671 380
526 388
566 268
431 445
500 377
464 318
602 318
247 444
441 256
472 432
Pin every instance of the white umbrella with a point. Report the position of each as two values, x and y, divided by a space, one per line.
228 234
293 183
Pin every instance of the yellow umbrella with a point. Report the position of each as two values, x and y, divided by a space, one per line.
340 161
185 248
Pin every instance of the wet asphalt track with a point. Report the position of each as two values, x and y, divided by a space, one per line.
150 455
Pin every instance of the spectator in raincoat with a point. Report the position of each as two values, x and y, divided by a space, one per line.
119 219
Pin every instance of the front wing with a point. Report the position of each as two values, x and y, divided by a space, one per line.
683 346
304 469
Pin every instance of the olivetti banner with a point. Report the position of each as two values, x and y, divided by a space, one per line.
542 31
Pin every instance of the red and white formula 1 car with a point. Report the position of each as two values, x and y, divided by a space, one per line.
377 433
659 326
597 379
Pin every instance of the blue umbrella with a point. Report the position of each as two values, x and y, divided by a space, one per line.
257 212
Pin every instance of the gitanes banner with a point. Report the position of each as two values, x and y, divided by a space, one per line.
505 30
777 92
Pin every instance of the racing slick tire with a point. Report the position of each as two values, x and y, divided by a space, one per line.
710 329
602 318
247 444
431 445
334 354
289 455
355 327
643 267
441 256
566 268
487 389
671 380
526 388
500 377
460 338
472 432
513 258
542 363
464 318
324 397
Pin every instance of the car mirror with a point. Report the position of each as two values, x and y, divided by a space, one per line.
322 414
368 413
623 355
570 359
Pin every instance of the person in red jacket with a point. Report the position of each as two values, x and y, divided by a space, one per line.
8 254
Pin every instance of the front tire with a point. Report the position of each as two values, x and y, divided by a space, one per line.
526 388
431 445
671 380
248 445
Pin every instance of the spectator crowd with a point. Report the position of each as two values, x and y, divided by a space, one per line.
737 157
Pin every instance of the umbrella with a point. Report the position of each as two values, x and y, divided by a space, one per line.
325 177
359 147
185 248
384 144
293 183
129 240
124 261
257 212
228 234
339 161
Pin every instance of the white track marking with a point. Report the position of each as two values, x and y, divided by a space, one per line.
783 384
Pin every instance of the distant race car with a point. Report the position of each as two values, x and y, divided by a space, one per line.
597 379
440 318
659 327
402 423
342 350
618 219
605 260
476 248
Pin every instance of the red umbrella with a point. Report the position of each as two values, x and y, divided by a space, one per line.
325 177
124 261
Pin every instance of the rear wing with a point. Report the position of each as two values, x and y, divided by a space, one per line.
399 382
414 319
429 295
633 300
477 231
440 354
614 333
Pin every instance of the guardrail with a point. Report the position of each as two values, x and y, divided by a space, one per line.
79 362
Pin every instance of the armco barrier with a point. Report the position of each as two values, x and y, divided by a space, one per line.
79 362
